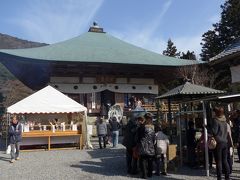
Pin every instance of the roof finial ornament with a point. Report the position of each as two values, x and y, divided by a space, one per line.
95 24
95 28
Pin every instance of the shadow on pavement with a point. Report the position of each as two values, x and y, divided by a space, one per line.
190 171
2 144
109 162
5 159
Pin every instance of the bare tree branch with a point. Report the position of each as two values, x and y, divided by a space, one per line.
196 75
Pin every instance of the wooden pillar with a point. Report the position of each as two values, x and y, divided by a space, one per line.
80 141
180 135
170 118
49 143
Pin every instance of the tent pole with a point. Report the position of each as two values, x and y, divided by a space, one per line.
205 138
88 143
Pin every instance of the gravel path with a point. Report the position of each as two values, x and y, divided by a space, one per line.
82 165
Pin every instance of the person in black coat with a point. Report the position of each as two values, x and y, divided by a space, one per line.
129 141
15 137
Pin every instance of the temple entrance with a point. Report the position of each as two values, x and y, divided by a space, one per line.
107 98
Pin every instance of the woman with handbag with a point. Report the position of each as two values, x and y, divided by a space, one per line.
201 148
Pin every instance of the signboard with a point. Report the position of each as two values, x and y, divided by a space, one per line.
235 73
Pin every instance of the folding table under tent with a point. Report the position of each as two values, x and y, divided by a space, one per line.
186 93
50 101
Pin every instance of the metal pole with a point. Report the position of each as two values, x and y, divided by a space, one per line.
87 139
170 118
205 138
6 128
180 135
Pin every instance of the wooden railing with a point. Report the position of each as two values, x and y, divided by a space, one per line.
174 108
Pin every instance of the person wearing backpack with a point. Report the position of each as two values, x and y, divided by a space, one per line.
15 137
161 146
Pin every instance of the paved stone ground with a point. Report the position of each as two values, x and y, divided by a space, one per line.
83 165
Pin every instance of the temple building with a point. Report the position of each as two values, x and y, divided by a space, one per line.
95 69
229 60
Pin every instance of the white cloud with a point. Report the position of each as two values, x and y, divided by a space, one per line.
144 36
56 20
191 43
141 39
183 44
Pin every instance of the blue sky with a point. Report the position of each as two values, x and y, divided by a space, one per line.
145 23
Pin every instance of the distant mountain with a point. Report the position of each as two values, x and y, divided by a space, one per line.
8 81
10 42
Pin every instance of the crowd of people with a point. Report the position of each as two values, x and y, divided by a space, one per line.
145 144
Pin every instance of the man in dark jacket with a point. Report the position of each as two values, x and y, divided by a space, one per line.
114 127
15 136
220 133
129 142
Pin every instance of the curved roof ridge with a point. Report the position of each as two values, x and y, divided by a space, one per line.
100 48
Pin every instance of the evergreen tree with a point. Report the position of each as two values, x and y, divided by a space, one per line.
224 32
210 46
229 26
171 50
189 55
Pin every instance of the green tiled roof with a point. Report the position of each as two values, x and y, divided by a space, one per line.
190 89
233 48
97 47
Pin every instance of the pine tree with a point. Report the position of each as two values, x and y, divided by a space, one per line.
224 32
171 50
229 26
189 55
211 46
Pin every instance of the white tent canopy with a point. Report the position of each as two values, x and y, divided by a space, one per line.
46 100
49 100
